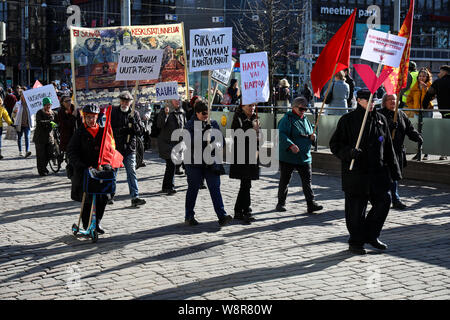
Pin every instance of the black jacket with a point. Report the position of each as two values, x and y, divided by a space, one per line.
247 170
405 128
441 88
378 165
82 151
120 125
175 119
44 133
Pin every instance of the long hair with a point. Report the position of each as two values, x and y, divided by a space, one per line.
427 72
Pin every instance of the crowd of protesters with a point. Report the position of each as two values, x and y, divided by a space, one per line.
379 160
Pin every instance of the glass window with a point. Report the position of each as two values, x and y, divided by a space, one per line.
437 5
421 4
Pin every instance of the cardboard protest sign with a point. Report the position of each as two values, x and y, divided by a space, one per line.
223 75
139 64
167 91
383 48
210 49
254 77
34 98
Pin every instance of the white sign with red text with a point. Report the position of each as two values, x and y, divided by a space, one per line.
384 48
254 77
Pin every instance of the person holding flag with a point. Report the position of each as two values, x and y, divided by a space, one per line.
83 152
375 168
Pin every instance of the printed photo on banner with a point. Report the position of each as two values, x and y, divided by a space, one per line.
210 49
254 77
34 98
384 48
139 64
167 91
223 75
95 56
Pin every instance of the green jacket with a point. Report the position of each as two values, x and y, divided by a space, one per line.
293 130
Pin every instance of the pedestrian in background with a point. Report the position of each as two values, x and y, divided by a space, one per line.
23 122
283 93
340 92
374 170
351 85
295 140
43 138
233 92
3 117
126 127
245 119
10 101
171 119
66 122
403 127
196 172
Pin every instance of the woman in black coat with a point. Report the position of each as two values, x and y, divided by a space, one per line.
66 121
83 153
245 169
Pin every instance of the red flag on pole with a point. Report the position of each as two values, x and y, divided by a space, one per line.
398 78
37 84
337 51
108 153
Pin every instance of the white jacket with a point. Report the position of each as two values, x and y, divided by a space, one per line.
17 114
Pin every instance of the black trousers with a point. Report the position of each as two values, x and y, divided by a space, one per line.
100 204
43 154
305 173
169 175
364 228
243 200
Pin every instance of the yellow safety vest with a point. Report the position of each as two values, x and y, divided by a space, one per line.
414 76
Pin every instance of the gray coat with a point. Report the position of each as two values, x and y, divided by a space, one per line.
175 119
341 91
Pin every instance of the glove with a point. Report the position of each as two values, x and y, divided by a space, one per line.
393 125
355 153
54 125
207 127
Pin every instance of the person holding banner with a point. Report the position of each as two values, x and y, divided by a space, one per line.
247 168
196 172
375 168
170 119
296 137
125 138
43 136
83 153
403 127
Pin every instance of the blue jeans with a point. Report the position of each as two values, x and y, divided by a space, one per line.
394 191
195 176
130 166
23 130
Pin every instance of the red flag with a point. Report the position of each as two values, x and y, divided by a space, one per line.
337 51
108 153
399 76
37 84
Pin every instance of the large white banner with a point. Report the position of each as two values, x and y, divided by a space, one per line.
167 91
34 98
210 49
384 48
139 64
254 77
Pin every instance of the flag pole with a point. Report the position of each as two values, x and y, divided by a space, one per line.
325 98
365 118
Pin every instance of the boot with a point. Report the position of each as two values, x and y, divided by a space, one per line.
313 206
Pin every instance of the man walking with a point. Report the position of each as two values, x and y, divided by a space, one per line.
126 127
374 170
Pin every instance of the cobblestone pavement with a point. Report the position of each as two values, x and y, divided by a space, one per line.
148 253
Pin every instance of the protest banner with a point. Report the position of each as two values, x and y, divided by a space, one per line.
254 77
95 56
210 49
167 91
34 98
139 64
384 48
223 75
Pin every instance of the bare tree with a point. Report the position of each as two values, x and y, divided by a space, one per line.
272 26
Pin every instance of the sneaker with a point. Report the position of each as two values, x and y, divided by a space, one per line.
225 220
27 154
20 154
203 187
425 157
356 249
313 206
443 158
191 222
280 208
245 217
137 202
